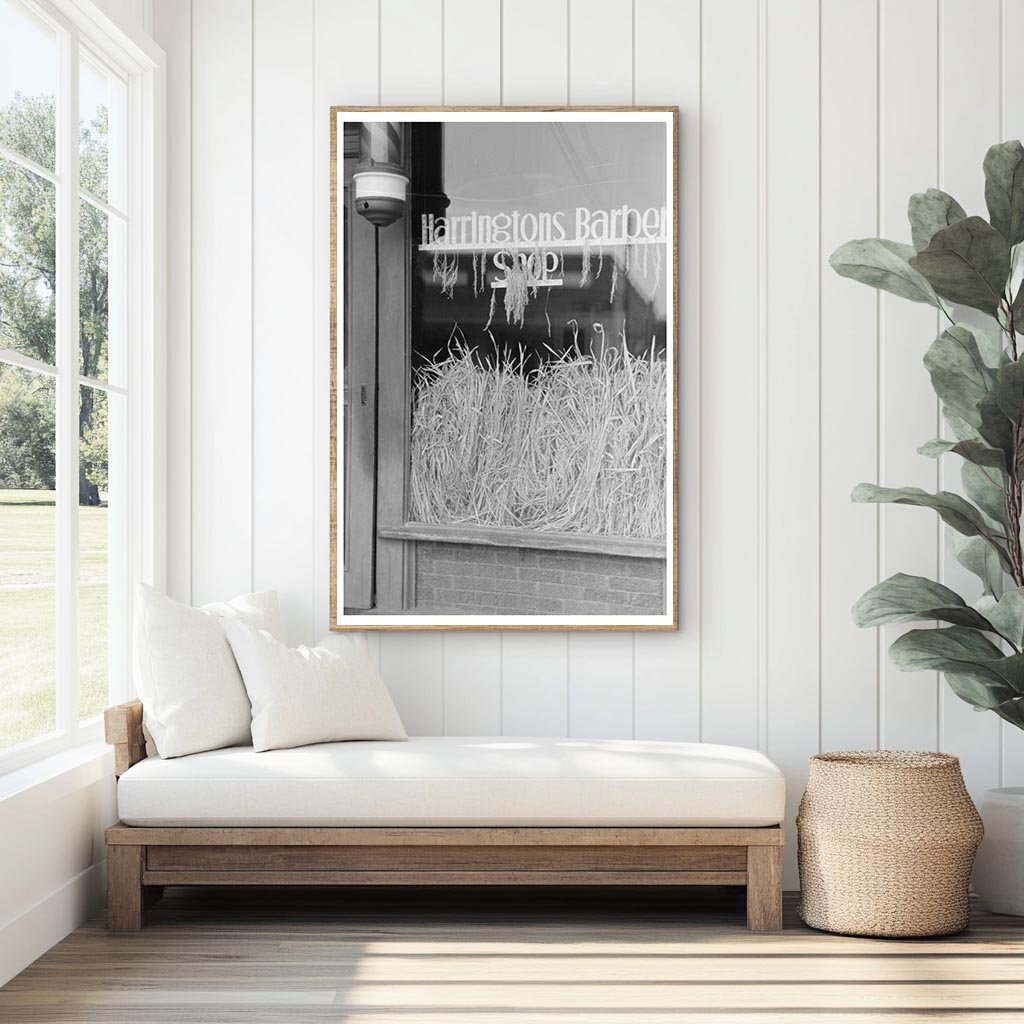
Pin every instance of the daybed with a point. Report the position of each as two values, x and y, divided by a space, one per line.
444 811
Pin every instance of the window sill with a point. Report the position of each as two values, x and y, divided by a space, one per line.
51 777
489 536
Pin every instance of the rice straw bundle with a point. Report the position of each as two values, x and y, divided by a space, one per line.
517 293
577 445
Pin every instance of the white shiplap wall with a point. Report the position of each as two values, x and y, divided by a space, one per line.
804 123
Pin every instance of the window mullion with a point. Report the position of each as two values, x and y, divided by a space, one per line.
67 386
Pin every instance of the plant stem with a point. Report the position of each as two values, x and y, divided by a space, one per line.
1011 330
1012 496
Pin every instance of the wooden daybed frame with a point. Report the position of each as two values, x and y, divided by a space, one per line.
142 860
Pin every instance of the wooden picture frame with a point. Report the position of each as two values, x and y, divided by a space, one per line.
392 569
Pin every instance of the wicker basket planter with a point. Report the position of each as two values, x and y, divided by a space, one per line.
886 840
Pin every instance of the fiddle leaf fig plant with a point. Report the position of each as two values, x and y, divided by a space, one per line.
977 372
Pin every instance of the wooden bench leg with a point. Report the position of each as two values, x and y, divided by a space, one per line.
764 888
125 896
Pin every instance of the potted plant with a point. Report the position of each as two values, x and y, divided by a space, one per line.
977 372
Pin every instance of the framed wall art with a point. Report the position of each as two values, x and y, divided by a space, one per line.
503 359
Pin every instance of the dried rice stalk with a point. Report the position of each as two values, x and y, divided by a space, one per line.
517 294
575 334
577 445
446 267
490 312
585 272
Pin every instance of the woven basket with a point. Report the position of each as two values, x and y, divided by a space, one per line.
886 840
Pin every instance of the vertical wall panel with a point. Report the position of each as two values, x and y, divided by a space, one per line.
411 45
792 417
666 666
534 61
472 684
600 52
969 124
849 372
472 75
535 69
173 30
283 302
337 82
221 372
909 414
472 52
730 501
1011 111
534 696
600 665
601 684
411 51
414 672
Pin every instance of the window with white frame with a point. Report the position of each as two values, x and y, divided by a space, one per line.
68 370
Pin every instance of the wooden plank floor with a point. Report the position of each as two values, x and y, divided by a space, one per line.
220 956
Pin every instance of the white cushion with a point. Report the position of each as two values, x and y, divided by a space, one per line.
192 693
309 694
460 781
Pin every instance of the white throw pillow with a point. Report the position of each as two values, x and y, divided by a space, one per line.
309 694
192 693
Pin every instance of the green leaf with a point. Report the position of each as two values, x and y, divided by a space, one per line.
1015 285
943 650
967 263
958 372
952 509
976 555
1004 189
1009 390
985 487
982 693
963 652
995 427
961 429
1017 307
903 598
990 345
973 451
929 212
883 264
1011 711
1006 614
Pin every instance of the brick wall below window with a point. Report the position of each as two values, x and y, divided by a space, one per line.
524 581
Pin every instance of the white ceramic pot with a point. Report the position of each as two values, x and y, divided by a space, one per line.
999 867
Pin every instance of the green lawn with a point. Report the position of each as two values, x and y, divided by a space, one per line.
28 524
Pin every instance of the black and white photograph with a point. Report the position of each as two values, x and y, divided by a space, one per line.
504 360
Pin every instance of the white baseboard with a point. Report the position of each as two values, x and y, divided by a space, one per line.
26 937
